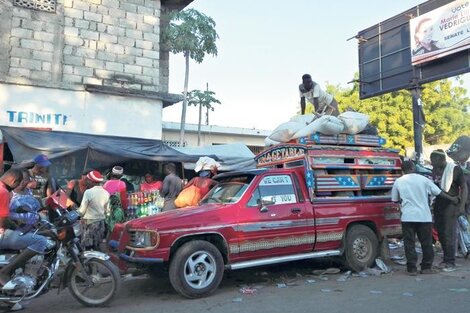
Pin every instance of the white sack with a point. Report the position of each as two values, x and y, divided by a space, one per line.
285 131
206 164
304 119
354 122
268 142
307 130
326 125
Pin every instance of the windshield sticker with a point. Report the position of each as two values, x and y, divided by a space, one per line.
281 199
284 199
276 180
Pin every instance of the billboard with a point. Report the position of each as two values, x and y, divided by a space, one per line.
385 51
441 32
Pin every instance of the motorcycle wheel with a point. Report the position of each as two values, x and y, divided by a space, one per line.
106 283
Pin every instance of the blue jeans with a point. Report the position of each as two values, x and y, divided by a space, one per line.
16 240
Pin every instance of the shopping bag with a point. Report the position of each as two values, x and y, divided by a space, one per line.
464 234
188 197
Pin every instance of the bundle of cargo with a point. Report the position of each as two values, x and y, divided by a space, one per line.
312 129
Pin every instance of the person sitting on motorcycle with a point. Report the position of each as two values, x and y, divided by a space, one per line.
30 244
24 207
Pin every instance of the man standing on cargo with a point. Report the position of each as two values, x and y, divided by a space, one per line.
412 191
323 102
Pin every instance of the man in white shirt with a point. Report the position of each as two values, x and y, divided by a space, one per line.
412 191
93 209
323 102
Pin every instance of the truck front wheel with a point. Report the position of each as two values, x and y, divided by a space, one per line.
196 269
361 247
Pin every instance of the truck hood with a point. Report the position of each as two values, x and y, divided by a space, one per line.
195 216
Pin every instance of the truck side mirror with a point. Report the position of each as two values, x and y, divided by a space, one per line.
264 203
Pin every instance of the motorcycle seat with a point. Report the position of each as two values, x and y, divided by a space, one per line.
8 251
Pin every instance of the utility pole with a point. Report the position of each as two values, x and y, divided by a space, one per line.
418 118
207 108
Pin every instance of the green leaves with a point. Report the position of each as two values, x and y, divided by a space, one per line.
192 33
445 106
204 98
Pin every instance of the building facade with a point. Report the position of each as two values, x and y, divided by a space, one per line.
88 66
214 135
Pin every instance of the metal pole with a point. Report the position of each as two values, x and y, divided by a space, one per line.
418 122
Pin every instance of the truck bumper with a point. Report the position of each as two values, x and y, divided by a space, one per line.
122 260
132 259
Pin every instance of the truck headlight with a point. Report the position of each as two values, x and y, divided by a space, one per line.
143 239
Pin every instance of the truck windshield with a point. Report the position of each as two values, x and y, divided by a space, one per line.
228 192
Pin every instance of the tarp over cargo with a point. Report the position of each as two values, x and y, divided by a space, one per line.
232 157
71 153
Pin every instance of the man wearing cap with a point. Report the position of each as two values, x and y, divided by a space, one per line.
323 102
42 184
115 185
95 204
450 179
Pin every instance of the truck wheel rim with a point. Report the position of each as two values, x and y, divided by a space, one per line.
361 248
200 270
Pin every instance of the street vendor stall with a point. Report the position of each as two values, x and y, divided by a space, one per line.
73 153
86 150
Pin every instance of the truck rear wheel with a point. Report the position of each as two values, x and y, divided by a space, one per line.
196 269
361 248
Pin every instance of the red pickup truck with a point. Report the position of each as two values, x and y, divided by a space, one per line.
305 200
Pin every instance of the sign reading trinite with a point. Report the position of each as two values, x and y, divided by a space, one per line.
281 153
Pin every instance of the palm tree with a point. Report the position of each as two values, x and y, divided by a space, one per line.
202 99
192 33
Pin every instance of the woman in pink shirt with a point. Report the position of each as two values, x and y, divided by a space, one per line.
114 185
150 183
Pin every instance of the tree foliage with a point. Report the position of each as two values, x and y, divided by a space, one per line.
205 98
192 33
446 109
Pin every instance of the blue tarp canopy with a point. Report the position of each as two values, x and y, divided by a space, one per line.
71 153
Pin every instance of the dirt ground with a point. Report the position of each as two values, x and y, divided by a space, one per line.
292 287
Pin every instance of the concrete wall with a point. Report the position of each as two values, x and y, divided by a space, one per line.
103 42
80 111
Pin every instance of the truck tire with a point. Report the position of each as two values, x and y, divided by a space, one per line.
361 248
197 269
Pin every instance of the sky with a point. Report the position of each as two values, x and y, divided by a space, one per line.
265 46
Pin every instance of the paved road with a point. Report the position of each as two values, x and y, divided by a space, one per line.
395 292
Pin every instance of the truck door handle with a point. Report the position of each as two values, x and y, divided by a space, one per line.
263 209
296 210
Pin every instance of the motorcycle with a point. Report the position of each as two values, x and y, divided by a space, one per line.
91 277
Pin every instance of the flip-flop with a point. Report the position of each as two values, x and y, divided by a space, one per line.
331 270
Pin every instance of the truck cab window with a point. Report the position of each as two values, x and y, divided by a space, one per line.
275 189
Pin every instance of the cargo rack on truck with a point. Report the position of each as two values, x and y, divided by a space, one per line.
352 167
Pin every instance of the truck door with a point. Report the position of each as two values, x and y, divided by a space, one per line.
275 219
